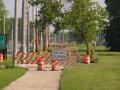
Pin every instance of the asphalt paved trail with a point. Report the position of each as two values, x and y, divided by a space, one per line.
37 80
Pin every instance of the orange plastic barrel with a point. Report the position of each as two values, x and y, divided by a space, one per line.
87 59
1 57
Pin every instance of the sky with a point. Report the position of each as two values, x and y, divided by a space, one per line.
10 6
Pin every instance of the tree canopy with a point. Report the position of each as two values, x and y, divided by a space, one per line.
2 13
112 33
5 20
86 18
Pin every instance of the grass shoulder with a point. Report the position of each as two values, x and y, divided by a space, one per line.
103 75
8 75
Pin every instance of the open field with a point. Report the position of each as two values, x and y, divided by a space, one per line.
104 75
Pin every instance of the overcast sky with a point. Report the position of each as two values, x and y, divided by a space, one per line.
10 6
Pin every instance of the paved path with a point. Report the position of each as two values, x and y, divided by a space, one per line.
37 80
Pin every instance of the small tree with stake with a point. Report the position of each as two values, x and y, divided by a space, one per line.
86 18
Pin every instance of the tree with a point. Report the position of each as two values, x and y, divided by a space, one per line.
49 10
84 19
112 33
8 28
3 14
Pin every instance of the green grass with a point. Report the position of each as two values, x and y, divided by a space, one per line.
9 75
104 75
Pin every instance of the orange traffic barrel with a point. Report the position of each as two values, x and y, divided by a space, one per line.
86 59
1 57
41 65
55 65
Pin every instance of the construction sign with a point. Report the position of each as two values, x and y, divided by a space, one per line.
59 54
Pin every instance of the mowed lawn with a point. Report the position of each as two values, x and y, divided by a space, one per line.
9 74
104 75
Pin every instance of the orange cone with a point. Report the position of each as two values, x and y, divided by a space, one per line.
55 65
41 65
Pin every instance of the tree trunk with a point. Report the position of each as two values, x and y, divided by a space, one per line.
28 31
87 44
43 36
36 30
46 37
88 48
33 18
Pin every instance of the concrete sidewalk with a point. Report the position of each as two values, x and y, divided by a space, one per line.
37 80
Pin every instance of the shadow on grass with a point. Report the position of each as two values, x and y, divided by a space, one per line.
102 51
84 50
108 54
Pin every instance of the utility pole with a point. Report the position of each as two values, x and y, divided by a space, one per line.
23 42
41 40
12 35
36 30
15 32
4 23
28 31
48 36
33 19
